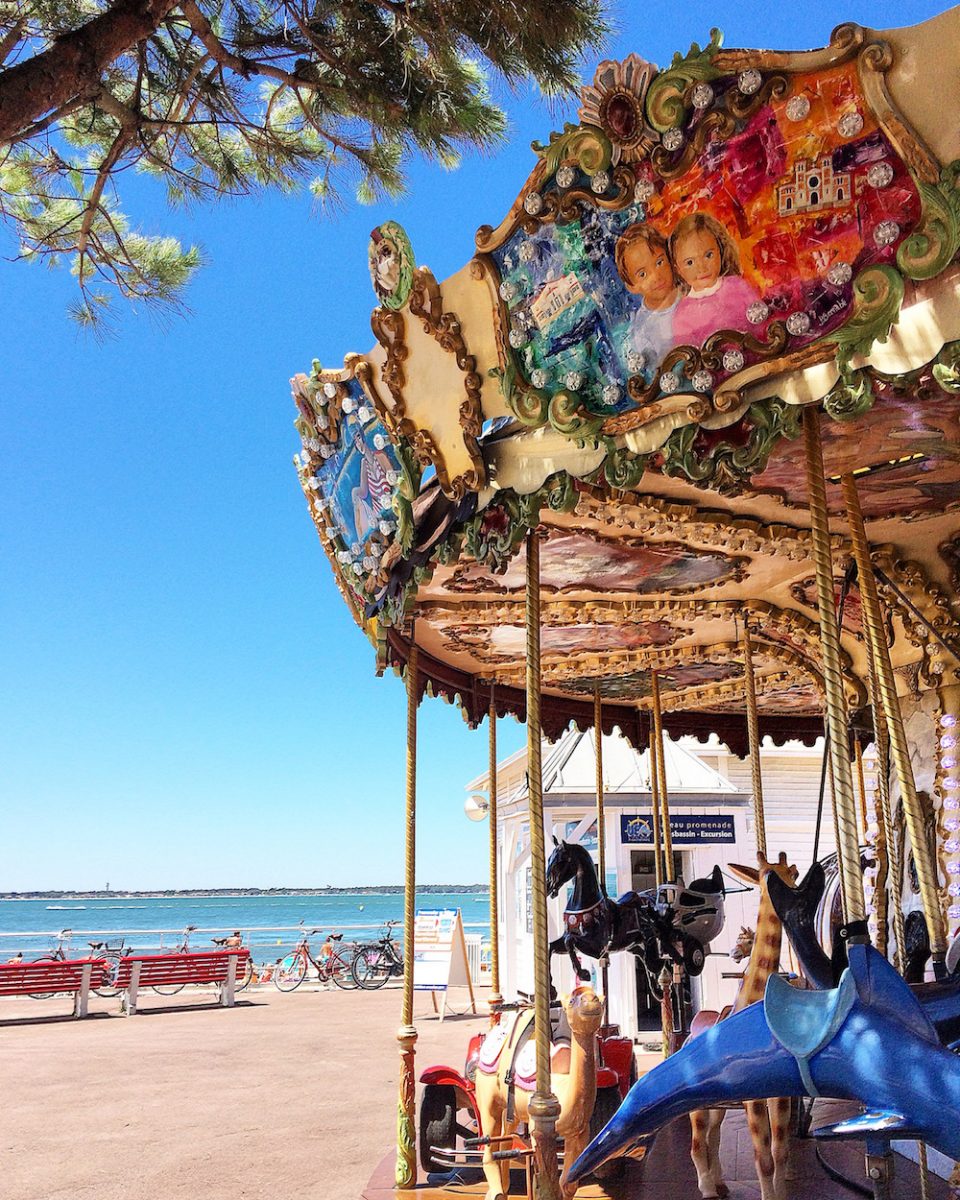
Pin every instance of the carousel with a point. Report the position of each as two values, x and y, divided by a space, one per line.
678 452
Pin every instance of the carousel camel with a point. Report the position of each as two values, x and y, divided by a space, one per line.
768 1120
573 1080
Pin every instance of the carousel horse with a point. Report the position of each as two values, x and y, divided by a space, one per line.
797 907
869 1039
506 1078
595 925
768 1120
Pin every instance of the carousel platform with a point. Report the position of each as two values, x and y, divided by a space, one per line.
668 1174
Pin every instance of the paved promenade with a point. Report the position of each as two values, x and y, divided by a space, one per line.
283 1096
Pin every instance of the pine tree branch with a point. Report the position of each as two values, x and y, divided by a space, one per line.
72 66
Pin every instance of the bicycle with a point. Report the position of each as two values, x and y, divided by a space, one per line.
171 989
233 942
112 956
57 954
374 964
332 966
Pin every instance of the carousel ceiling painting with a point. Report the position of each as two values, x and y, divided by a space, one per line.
714 254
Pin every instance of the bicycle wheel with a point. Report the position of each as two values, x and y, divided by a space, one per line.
106 988
289 972
341 973
246 979
371 968
43 995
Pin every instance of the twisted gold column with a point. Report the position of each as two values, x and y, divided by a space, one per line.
601 825
886 686
669 872
891 859
406 1170
861 784
848 845
753 733
495 997
655 806
544 1107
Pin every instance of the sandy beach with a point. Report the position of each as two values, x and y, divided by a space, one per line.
283 1096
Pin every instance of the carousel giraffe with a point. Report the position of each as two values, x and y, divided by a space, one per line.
768 1120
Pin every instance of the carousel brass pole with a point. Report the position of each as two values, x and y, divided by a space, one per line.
669 873
406 1170
888 847
655 806
886 685
861 784
848 845
753 732
495 999
601 827
544 1107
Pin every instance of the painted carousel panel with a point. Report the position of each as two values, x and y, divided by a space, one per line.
580 562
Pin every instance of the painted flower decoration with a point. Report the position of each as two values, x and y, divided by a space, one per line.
614 102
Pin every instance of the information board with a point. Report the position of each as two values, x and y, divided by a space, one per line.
687 830
440 954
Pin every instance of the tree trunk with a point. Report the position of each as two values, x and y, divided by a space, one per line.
73 65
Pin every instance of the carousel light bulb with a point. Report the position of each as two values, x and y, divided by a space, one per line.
950 784
952 846
953 868
951 803
948 762
948 721
952 824
948 741
873 829
953 912
953 889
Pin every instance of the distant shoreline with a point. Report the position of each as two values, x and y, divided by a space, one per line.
426 889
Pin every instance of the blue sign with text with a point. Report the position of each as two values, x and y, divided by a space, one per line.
685 831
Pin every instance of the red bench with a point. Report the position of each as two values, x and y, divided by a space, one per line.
77 975
221 967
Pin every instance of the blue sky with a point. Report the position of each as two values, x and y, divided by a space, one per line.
185 701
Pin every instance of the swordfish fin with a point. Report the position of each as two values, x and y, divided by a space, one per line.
881 988
797 909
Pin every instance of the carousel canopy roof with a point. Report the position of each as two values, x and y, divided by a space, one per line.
713 250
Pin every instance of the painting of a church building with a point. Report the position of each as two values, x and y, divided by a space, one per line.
814 185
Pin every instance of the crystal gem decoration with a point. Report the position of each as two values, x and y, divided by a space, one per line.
839 274
539 378
644 191
702 381
798 323
886 233
349 404
379 441
365 414
565 175
322 422
880 175
327 451
527 252
611 393
343 556
636 360
732 361
757 312
673 139
330 532
507 290
533 203
600 182
385 527
369 563
669 382
850 124
749 81
798 108
702 96
573 380
518 337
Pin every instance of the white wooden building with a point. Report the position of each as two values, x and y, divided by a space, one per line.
704 780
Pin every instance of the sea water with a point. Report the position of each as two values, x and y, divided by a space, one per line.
151 923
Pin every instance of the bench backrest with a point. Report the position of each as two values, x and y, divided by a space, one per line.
204 966
22 978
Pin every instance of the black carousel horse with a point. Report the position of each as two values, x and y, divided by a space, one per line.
595 925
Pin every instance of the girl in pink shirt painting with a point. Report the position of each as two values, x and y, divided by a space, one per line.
706 258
